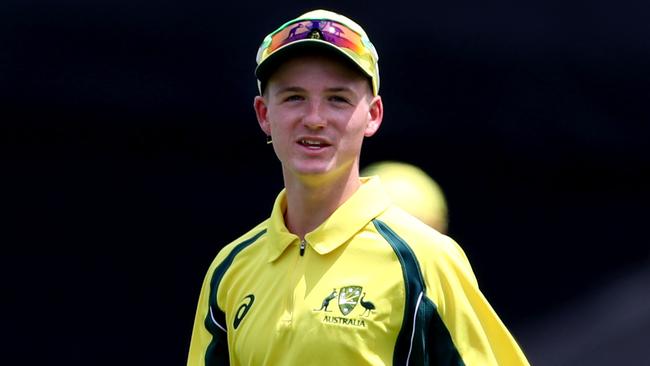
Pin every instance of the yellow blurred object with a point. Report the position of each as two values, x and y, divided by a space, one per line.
413 190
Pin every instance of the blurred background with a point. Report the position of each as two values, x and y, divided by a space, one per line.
130 153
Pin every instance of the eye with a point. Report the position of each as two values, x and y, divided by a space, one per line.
339 99
293 97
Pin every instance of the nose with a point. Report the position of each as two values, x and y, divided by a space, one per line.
314 117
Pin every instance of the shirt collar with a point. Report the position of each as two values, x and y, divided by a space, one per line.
279 237
365 204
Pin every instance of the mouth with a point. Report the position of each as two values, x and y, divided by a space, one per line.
313 144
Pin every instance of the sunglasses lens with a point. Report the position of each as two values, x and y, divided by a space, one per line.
329 31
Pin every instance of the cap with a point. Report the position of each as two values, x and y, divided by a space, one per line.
318 29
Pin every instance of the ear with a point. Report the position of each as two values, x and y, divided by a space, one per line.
261 112
375 116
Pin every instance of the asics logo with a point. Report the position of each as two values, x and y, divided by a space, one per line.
243 310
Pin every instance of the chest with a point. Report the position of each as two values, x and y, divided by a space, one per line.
346 305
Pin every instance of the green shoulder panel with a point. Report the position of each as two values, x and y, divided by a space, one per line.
215 321
423 339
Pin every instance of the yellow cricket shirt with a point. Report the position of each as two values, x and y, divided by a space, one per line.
372 286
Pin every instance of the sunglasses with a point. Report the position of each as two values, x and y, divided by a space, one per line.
326 30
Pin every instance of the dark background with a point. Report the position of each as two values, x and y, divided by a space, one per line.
130 154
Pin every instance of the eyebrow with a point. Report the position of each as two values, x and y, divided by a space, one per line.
340 89
289 89
295 89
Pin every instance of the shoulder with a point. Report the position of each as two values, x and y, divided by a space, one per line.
442 263
244 241
432 249
418 235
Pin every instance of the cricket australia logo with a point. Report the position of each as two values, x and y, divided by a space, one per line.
348 298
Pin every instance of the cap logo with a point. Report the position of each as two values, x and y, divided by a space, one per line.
315 34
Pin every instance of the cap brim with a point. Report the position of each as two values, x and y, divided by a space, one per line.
264 70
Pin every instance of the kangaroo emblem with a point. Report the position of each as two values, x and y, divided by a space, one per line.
326 302
292 31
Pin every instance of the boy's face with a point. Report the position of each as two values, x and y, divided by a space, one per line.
318 109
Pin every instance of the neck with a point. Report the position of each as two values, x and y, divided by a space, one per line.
310 203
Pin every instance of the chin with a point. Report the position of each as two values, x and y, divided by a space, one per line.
311 170
310 166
